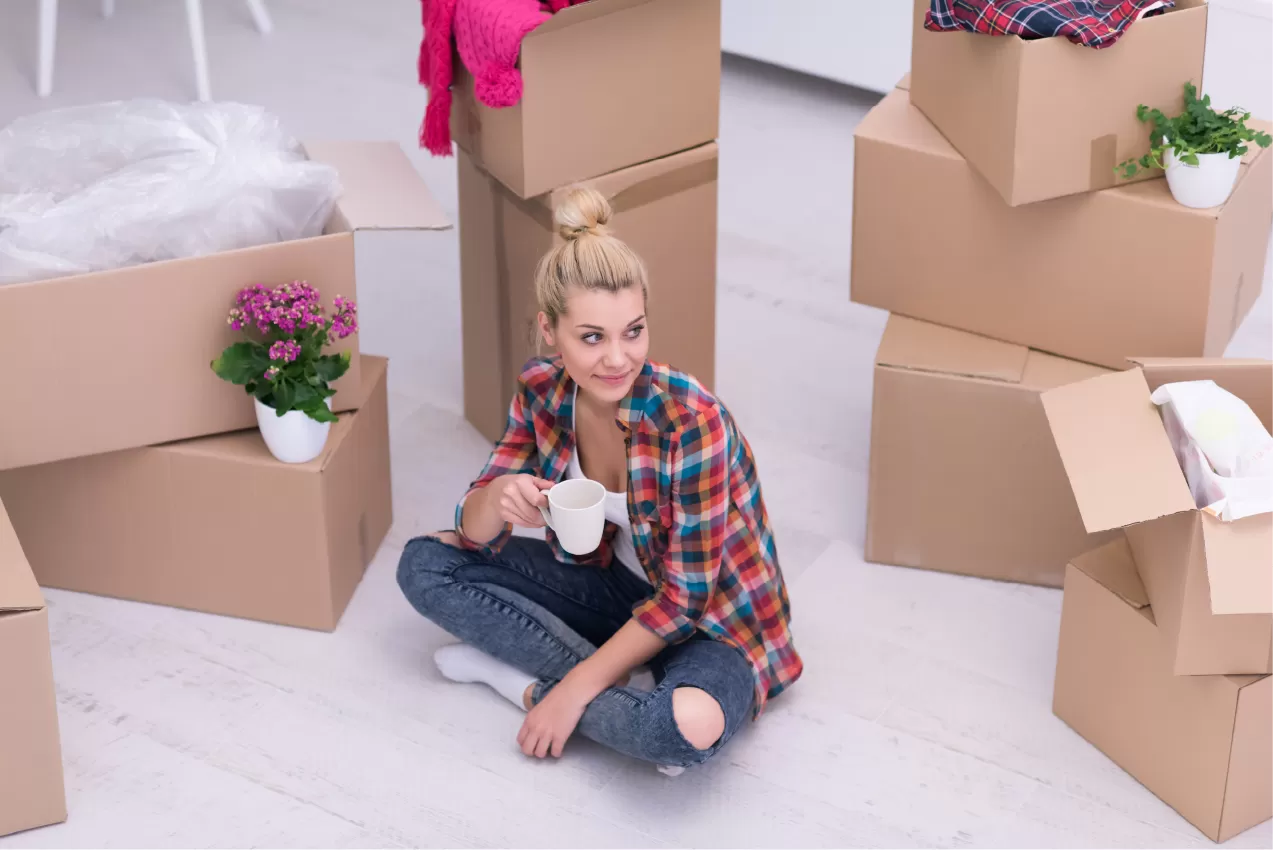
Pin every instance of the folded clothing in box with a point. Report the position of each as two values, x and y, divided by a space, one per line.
1100 277
1203 744
606 84
31 788
216 524
1042 118
964 475
1210 582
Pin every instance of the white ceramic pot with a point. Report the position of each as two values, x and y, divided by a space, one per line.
292 437
1204 185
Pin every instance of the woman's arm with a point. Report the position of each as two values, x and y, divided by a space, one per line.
478 518
552 721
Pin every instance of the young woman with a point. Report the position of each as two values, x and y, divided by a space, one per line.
686 577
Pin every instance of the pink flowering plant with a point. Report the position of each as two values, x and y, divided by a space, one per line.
282 363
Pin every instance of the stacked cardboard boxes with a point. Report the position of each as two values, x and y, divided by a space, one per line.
129 469
31 792
1010 437
619 95
985 204
1167 632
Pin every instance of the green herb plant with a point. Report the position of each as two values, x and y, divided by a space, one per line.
1197 130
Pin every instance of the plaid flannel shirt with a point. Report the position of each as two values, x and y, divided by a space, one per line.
1091 23
694 503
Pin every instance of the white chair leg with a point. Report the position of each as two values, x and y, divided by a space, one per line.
194 17
108 8
48 46
261 16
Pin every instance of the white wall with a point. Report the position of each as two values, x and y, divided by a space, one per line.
866 43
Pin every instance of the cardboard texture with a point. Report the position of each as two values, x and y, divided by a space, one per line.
1098 277
1203 744
1210 582
217 524
964 475
665 210
1043 118
607 84
166 321
31 787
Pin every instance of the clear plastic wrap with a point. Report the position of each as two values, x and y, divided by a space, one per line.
118 184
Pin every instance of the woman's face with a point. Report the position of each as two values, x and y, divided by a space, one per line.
602 340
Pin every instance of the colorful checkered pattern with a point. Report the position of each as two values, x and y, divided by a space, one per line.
698 520
1091 23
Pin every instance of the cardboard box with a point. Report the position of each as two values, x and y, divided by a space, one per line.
665 210
1043 118
1096 277
217 524
1210 582
31 788
120 359
1203 744
964 475
607 84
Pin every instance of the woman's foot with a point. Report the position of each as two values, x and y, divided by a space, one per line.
463 663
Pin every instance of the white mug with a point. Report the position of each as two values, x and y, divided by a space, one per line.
576 512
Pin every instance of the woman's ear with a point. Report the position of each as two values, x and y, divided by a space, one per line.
546 330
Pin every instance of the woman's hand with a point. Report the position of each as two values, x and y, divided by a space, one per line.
520 498
550 723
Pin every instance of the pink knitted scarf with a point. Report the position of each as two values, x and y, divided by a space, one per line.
488 36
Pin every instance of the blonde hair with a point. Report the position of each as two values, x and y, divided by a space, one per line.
589 256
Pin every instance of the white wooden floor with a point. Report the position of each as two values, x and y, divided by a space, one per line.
923 719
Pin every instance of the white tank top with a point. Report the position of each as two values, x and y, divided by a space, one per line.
616 512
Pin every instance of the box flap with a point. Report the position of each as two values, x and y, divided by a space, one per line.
1113 567
1239 564
895 121
18 590
924 347
1115 451
572 15
905 82
381 188
1249 379
647 182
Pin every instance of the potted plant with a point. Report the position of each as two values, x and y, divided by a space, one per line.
282 365
1200 149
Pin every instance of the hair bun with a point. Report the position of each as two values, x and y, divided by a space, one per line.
584 211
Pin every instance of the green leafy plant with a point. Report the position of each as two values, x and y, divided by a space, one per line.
1197 130
283 364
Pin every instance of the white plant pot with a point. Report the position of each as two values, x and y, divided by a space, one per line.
292 437
1205 185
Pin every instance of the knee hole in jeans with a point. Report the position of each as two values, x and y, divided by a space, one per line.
698 716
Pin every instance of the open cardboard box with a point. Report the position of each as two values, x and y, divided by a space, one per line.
31 786
964 476
1098 277
1043 118
607 84
120 359
1210 582
665 209
215 523
1203 744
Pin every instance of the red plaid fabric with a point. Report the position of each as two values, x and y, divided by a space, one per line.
1091 23
694 503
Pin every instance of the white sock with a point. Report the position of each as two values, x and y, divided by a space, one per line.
461 662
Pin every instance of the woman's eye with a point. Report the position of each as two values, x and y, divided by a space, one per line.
634 333
592 339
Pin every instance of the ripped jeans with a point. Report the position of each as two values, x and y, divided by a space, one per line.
528 609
